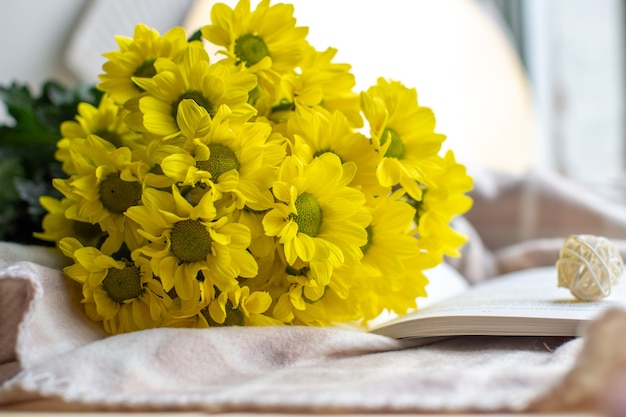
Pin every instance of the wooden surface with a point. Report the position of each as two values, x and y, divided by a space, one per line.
197 414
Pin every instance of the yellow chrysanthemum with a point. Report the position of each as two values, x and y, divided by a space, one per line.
266 38
192 249
135 59
239 307
107 182
319 83
56 225
307 303
265 42
151 150
105 121
403 133
232 158
261 245
124 295
194 81
404 300
389 267
314 134
441 204
317 217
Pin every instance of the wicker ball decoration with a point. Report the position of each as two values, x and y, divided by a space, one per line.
589 266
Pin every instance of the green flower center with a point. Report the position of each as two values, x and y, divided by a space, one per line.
110 136
250 49
234 317
123 284
396 147
191 241
195 96
145 70
309 217
118 195
222 159
370 235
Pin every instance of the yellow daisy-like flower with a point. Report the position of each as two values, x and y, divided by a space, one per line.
261 245
314 134
440 205
190 247
405 299
151 151
317 217
261 39
195 81
233 158
56 225
389 267
305 302
124 295
135 59
403 133
107 182
265 42
239 307
320 83
105 121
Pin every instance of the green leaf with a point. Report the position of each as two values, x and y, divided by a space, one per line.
196 36
58 103
29 192
27 148
9 170
28 130
9 214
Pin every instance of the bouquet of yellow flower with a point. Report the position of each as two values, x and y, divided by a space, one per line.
251 188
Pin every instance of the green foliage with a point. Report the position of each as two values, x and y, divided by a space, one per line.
196 36
27 148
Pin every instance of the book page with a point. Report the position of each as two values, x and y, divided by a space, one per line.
528 298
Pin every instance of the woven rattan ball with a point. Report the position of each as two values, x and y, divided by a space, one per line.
589 266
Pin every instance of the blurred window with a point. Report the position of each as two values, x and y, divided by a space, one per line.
573 51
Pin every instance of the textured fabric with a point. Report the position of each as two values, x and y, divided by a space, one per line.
52 355
520 222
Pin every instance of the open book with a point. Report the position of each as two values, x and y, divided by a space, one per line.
525 303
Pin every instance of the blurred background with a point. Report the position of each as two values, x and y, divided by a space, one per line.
516 85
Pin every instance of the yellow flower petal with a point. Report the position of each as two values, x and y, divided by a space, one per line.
193 120
258 302
152 119
304 247
389 172
177 165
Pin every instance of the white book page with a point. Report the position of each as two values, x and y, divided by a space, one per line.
530 294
